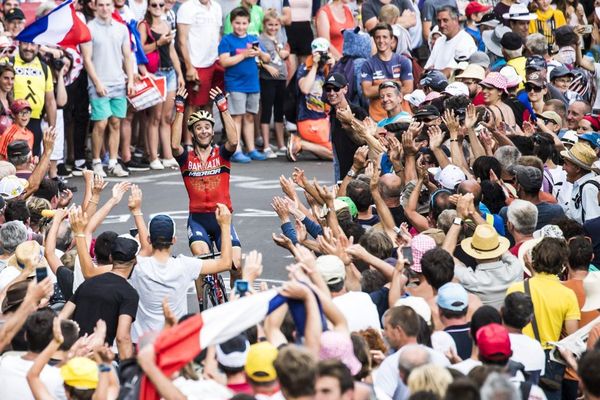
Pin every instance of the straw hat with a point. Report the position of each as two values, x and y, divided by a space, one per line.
581 155
485 243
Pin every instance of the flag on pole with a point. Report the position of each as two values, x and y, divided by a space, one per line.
177 346
60 27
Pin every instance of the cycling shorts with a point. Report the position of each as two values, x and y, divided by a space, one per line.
204 227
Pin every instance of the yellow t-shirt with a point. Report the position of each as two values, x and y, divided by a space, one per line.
553 304
546 29
31 84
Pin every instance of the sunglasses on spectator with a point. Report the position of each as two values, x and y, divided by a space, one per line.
157 5
332 89
530 87
426 119
389 84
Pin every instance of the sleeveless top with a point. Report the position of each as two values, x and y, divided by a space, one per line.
336 37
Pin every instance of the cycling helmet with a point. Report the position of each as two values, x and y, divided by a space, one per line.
200 116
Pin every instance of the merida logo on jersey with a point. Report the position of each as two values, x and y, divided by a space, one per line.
28 71
197 174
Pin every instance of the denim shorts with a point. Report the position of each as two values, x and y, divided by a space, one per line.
171 77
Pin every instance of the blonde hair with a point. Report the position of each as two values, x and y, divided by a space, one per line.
429 377
270 14
389 14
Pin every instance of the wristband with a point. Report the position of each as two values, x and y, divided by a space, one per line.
137 214
104 368
221 102
79 235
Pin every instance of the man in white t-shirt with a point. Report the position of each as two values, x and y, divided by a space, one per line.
198 35
516 314
159 275
14 366
456 42
401 326
358 308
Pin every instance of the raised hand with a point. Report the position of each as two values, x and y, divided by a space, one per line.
280 207
78 219
119 190
219 98
470 116
451 122
408 145
180 97
436 137
288 187
135 199
223 215
98 184
253 266
360 158
298 177
49 138
283 241
413 130
170 317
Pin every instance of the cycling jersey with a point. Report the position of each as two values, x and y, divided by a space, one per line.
206 182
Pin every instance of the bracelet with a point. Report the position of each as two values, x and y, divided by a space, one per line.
138 214
93 202
453 140
80 235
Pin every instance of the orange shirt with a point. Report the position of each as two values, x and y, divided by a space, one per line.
13 133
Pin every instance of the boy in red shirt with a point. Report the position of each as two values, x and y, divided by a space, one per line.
21 113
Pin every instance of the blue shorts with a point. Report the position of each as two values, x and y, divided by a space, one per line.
170 76
203 227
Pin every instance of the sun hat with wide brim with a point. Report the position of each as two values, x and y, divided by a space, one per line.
581 155
492 37
519 12
591 285
485 243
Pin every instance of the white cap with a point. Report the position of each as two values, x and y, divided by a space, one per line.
319 44
418 304
512 77
450 176
457 89
12 186
331 269
415 98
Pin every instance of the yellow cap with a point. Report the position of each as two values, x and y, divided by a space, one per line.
259 362
80 373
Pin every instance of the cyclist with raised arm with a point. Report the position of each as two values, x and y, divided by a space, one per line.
205 171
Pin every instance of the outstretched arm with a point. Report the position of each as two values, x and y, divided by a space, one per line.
135 206
38 389
49 249
226 261
177 125
42 167
230 131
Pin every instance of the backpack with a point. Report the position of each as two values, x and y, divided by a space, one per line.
579 197
356 50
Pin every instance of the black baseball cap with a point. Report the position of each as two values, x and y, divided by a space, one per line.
560 71
162 229
14 14
337 80
18 148
427 111
536 62
124 248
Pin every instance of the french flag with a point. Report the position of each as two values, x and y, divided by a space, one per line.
60 27
177 346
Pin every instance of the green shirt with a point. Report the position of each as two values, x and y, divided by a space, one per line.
256 20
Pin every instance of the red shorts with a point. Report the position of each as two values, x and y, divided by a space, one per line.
209 77
315 131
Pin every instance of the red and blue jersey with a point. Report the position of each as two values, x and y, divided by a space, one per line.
206 182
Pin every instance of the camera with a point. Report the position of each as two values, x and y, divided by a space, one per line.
323 57
54 63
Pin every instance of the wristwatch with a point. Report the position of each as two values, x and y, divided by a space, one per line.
351 173
457 221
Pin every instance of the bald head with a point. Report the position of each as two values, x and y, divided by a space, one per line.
471 186
412 356
390 186
576 112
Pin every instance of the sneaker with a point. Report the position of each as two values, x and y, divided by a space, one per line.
269 153
78 171
136 165
62 171
290 126
294 147
170 163
156 164
239 157
99 170
118 171
282 151
257 155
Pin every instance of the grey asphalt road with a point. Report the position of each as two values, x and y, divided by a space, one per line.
252 187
